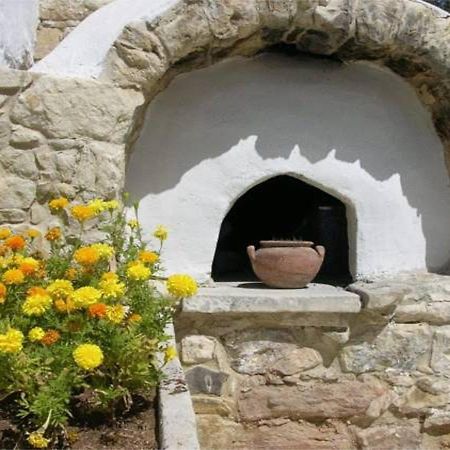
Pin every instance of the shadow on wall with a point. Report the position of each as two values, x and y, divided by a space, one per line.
363 112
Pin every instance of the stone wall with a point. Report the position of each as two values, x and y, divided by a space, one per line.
57 18
379 382
59 137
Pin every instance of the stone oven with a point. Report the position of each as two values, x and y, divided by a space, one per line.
236 120
265 144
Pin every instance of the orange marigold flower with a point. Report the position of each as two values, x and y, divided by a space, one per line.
83 212
71 274
148 257
15 243
97 310
64 306
5 233
58 204
29 266
3 250
13 276
87 256
2 293
53 234
51 337
37 290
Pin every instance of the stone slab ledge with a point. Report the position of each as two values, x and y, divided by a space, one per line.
255 298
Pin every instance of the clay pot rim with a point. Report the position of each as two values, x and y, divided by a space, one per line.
280 243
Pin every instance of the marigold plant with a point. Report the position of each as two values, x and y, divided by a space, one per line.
87 318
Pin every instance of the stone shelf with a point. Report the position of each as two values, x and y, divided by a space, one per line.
244 298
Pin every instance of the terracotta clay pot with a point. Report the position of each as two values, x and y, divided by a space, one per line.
286 264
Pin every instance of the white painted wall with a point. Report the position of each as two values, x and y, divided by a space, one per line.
357 131
18 25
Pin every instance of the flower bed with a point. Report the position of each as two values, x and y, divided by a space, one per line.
81 324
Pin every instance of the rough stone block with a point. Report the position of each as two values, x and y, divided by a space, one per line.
440 357
72 108
316 401
202 380
197 349
399 346
16 193
392 437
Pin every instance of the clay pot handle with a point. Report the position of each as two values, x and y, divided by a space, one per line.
320 249
251 252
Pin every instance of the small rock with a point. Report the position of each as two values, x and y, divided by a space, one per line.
197 349
202 380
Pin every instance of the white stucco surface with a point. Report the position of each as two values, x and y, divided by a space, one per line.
356 131
18 25
83 51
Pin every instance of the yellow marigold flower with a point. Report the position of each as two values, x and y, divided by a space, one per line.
15 243
58 204
110 276
87 256
86 296
37 440
29 265
133 224
60 289
111 205
13 276
148 257
161 233
83 212
64 306
33 233
115 313
37 302
112 288
104 250
170 353
98 205
36 334
181 286
53 234
138 272
5 233
11 341
71 273
88 356
3 292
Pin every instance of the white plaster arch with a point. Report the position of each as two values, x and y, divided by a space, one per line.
398 214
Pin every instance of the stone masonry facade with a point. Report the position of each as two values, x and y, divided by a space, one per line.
378 379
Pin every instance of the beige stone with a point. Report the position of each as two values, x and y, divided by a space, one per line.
393 437
297 435
12 215
24 138
399 346
46 40
197 349
440 357
13 80
19 162
313 401
16 193
68 108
